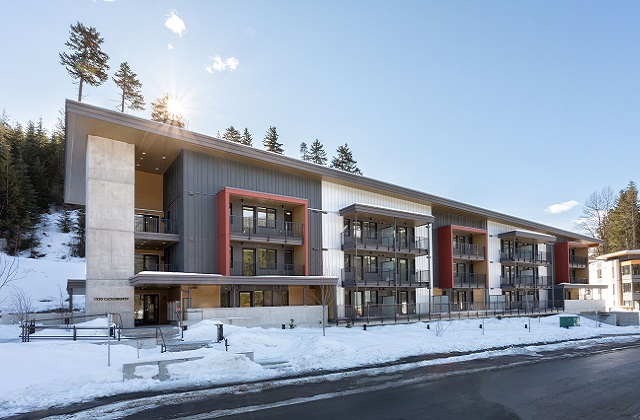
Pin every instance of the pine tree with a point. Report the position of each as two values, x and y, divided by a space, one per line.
65 221
246 138
86 63
304 151
160 112
78 248
231 134
270 141
130 87
624 220
344 160
317 153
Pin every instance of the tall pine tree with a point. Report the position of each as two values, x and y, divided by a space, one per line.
271 143
130 87
246 138
86 61
160 112
304 151
344 160
317 153
231 134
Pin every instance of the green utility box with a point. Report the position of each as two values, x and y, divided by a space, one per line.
569 321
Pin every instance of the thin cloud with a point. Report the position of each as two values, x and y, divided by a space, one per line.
170 46
221 64
175 24
561 207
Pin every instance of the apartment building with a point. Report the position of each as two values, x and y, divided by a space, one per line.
619 273
180 224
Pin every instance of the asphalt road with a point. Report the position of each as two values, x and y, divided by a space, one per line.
597 382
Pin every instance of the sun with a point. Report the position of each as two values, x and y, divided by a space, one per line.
175 106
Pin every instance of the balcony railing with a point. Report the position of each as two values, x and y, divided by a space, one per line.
399 243
154 224
578 280
539 257
526 281
376 277
471 251
469 280
252 227
153 267
248 269
577 260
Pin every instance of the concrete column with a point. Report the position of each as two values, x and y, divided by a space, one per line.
110 227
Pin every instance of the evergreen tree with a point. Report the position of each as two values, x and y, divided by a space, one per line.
65 221
86 62
344 160
304 151
231 134
160 112
78 248
130 87
317 153
246 138
270 141
624 220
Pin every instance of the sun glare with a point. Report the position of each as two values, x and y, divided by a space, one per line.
174 106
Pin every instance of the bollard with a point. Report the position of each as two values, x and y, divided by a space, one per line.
480 326
220 332
226 345
284 326
364 326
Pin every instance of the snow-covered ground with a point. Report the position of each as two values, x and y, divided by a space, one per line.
45 278
45 373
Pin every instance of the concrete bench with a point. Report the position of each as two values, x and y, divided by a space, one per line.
129 369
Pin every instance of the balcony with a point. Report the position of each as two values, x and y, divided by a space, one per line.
525 282
578 280
153 267
153 232
264 230
407 244
469 251
527 257
469 281
385 278
249 269
577 261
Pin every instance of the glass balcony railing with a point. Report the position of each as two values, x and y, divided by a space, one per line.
577 260
399 243
239 268
525 281
539 257
252 227
469 280
139 266
154 224
385 277
470 251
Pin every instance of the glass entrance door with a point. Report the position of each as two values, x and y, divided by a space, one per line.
147 309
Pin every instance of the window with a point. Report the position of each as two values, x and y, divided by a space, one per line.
636 287
284 297
230 257
347 262
258 298
347 227
248 262
247 219
370 264
266 217
626 287
288 261
625 270
599 273
371 230
267 258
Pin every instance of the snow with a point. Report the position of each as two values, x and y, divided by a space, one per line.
45 278
45 372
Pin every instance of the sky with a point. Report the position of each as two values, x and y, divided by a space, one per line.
525 108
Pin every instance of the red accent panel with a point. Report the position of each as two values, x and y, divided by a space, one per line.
445 257
306 239
224 235
561 262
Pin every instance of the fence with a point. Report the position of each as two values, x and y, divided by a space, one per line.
407 312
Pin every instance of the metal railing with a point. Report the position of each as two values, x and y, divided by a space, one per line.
578 280
525 281
539 257
470 280
385 277
472 251
154 224
239 268
399 243
578 260
154 267
407 312
251 227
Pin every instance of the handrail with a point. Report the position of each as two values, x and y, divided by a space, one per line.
259 227
163 346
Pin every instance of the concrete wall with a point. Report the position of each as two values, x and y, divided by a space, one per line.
271 316
109 218
584 305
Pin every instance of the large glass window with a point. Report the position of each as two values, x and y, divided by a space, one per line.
266 217
248 262
248 219
636 287
626 287
370 264
267 258
347 227
371 230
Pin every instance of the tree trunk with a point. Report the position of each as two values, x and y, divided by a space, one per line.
80 90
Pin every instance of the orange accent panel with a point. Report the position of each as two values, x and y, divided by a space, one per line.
445 257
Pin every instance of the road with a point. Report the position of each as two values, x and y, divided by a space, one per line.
599 382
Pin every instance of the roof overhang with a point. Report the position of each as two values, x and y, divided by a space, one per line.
401 216
626 254
527 235
581 286
163 279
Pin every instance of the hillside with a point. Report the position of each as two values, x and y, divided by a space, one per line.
44 278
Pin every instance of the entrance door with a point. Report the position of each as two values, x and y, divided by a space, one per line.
147 309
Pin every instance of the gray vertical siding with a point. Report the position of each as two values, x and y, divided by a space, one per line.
191 185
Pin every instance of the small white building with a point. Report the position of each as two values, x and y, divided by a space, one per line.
620 271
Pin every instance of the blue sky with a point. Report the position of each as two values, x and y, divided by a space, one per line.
508 105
